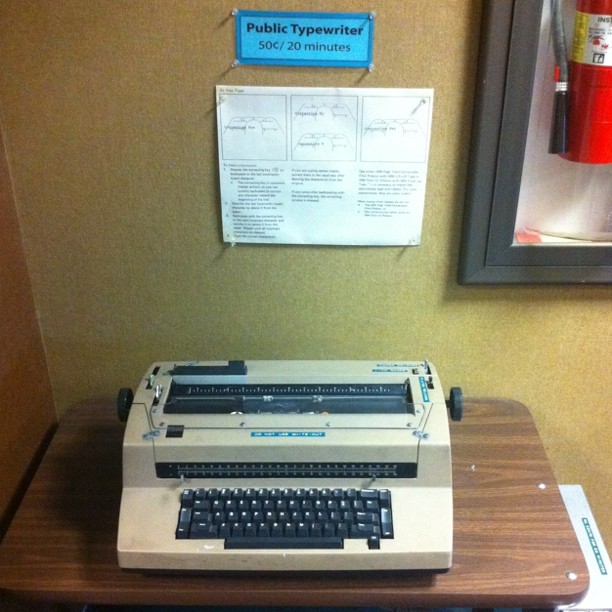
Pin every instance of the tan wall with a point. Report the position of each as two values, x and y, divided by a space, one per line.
110 120
26 403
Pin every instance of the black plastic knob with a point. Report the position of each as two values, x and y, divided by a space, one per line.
455 403
125 397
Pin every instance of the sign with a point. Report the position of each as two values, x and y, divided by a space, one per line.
304 39
323 165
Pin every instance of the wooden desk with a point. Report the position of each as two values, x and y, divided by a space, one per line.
514 544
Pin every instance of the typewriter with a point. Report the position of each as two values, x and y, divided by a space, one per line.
287 465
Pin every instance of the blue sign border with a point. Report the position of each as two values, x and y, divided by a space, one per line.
282 43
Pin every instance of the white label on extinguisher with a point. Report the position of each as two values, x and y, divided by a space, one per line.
593 39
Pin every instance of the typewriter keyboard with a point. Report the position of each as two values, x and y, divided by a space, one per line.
285 518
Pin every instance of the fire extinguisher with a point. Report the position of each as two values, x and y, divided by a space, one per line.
587 96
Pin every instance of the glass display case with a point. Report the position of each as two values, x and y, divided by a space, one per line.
530 216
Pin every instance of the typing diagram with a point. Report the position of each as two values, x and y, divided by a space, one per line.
254 128
400 135
323 130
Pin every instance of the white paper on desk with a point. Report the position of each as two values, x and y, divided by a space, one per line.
304 165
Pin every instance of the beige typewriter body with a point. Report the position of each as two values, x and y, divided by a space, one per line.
298 439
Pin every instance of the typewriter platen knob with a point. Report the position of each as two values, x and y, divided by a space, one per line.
455 403
125 397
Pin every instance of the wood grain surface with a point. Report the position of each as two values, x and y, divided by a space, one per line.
514 544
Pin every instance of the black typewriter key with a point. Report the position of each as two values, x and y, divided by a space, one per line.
250 530
263 530
184 524
367 518
289 531
309 516
384 497
359 530
335 517
201 504
276 531
329 530
212 494
225 530
374 543
237 531
301 530
200 516
187 497
342 530
368 494
386 523
203 531
322 517
316 530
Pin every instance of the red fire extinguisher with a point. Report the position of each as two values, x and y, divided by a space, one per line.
589 119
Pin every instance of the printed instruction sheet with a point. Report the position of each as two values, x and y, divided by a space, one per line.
335 166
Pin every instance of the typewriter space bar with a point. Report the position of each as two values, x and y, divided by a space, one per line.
268 543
